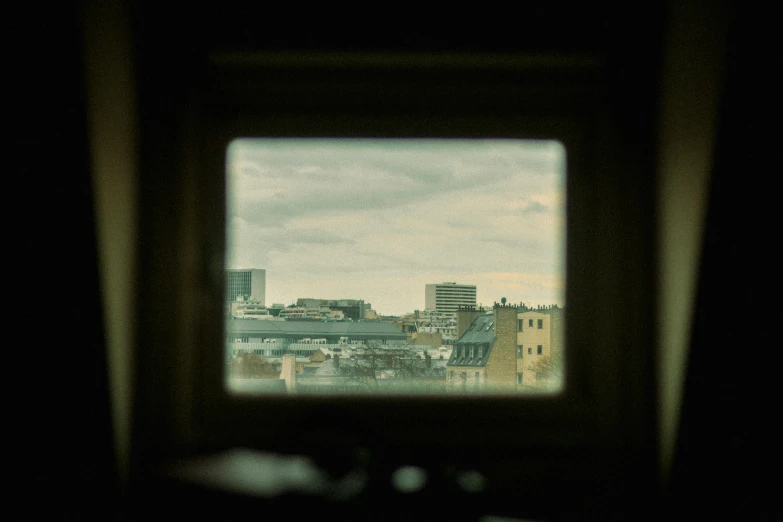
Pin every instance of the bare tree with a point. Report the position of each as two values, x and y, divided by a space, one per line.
251 366
548 369
376 363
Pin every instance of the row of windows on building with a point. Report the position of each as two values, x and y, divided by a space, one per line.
521 350
477 379
464 376
539 377
465 351
237 284
521 324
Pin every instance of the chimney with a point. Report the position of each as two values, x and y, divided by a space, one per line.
505 343
465 316
336 361
288 374
428 359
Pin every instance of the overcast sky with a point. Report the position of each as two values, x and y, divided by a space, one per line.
379 219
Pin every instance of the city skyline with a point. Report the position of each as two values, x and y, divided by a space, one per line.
379 219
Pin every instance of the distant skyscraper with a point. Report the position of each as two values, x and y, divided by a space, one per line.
249 284
446 297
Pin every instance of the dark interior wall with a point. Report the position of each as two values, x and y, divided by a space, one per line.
62 466
59 434
729 443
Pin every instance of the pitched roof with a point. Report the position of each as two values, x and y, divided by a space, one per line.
480 333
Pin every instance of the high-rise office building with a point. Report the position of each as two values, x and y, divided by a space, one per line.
249 284
446 297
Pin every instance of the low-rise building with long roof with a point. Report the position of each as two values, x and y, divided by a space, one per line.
332 332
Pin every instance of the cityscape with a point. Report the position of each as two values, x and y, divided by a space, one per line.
344 346
395 266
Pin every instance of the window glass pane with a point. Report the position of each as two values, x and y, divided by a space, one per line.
370 266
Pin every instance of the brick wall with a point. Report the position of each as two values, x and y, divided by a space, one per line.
502 363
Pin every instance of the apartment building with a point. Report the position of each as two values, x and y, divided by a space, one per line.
540 347
507 349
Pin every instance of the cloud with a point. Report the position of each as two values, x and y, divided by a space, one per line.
339 212
533 206
330 177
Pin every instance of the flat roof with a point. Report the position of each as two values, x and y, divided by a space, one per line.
313 329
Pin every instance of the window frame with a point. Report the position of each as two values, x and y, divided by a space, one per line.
186 407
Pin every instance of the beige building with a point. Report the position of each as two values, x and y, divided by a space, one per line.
250 309
427 338
540 348
508 349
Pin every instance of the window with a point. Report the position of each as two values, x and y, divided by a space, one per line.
529 351
519 350
519 378
294 205
540 324
540 349
182 262
530 323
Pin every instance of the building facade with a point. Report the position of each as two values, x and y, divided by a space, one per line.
508 349
245 309
421 322
311 313
250 284
447 297
540 344
351 308
331 331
